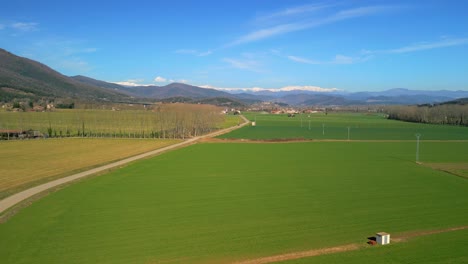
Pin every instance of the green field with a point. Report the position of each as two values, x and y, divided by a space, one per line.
434 249
335 126
218 203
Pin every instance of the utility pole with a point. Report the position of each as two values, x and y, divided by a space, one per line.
323 129
417 147
309 124
349 128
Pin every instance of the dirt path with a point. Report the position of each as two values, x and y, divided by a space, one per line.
342 248
21 196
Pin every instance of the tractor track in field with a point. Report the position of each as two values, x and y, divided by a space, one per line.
343 248
37 192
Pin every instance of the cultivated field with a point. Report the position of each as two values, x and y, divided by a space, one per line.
335 126
25 163
449 247
225 202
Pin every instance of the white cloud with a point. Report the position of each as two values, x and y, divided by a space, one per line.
295 25
282 89
302 60
369 54
444 43
292 11
25 26
244 64
358 12
194 52
338 59
89 50
160 79
132 83
341 59
269 32
2 26
206 53
74 65
430 45
125 83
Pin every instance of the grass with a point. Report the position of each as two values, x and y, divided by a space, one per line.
222 202
440 248
335 126
25 163
231 120
459 169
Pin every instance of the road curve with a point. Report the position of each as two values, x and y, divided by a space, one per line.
23 195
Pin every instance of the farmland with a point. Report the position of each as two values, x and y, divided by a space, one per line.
224 202
162 121
335 126
25 163
447 247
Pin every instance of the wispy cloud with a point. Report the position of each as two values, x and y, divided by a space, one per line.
89 50
444 43
282 89
302 60
2 26
369 54
292 11
194 52
358 12
244 64
302 24
269 32
25 26
342 59
338 59
75 65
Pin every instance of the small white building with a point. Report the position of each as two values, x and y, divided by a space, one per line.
253 123
382 238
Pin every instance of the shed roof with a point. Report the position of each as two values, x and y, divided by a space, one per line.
382 234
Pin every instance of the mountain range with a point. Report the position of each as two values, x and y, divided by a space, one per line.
21 77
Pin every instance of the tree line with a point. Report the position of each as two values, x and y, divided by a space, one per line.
166 121
449 114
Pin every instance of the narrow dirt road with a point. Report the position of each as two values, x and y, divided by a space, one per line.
342 248
21 196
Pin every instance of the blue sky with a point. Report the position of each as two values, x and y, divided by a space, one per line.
314 45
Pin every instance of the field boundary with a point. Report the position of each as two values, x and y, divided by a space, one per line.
17 198
343 248
299 140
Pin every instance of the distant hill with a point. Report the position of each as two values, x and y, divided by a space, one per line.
103 84
181 89
160 92
177 92
460 101
21 77
219 101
